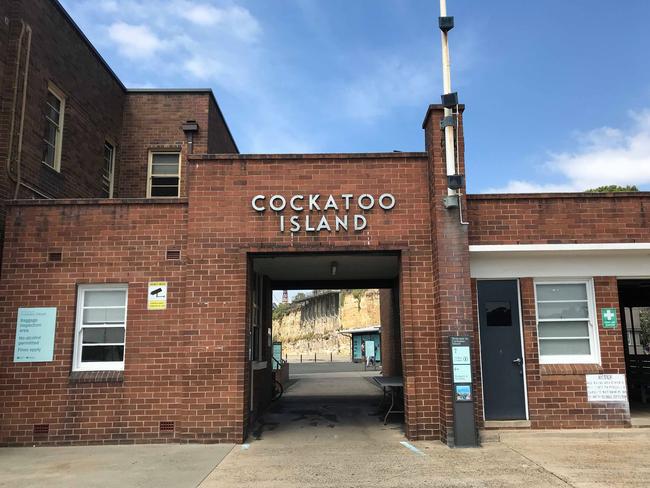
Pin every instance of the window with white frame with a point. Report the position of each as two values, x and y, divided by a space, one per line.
100 328
108 169
164 174
566 326
53 134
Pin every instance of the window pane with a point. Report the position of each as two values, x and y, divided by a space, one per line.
48 155
564 347
50 133
563 329
498 314
570 310
55 104
91 354
562 292
171 181
108 158
168 158
105 298
103 335
164 187
103 316
164 169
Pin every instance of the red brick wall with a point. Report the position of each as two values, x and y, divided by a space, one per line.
557 394
93 108
104 243
451 277
391 358
7 53
477 382
559 218
220 140
223 229
152 121
93 111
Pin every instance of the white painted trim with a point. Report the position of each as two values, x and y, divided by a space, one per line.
610 246
58 141
594 357
77 365
523 348
627 264
150 169
111 143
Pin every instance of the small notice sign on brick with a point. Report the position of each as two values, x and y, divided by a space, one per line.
606 388
609 318
157 295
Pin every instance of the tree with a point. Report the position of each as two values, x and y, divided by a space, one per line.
299 296
281 310
613 188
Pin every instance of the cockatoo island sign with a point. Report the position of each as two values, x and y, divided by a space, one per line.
304 206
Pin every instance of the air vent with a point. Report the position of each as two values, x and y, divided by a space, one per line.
173 254
166 426
41 429
54 257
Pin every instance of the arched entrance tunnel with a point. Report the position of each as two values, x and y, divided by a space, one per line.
360 393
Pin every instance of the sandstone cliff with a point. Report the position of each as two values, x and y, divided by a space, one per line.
307 327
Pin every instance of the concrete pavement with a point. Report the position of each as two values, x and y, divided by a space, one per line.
160 466
325 433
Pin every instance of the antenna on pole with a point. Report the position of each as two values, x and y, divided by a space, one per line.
449 98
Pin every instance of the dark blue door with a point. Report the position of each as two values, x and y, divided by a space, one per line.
501 356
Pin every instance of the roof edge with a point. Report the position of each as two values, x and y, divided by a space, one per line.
179 91
281 156
89 44
438 106
548 195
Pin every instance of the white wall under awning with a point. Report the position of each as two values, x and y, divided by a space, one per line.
560 260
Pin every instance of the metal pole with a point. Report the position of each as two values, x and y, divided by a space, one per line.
301 358
446 81
314 357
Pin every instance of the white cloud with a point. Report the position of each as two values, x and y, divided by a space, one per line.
108 5
135 41
234 20
603 156
388 82
203 68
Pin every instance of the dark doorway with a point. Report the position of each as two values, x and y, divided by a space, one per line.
502 360
307 345
634 298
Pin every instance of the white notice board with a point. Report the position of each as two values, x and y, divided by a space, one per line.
606 388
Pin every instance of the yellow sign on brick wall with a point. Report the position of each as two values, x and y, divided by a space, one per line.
157 295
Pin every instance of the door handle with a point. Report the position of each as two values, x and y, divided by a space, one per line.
517 361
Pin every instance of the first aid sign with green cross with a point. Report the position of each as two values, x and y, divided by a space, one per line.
609 318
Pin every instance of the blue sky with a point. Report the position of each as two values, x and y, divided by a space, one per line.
557 92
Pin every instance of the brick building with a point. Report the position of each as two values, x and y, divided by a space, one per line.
141 241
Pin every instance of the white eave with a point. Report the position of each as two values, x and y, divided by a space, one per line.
557 260
613 246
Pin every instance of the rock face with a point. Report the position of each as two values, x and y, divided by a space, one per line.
311 326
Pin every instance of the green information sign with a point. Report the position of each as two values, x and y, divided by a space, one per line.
35 335
609 318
